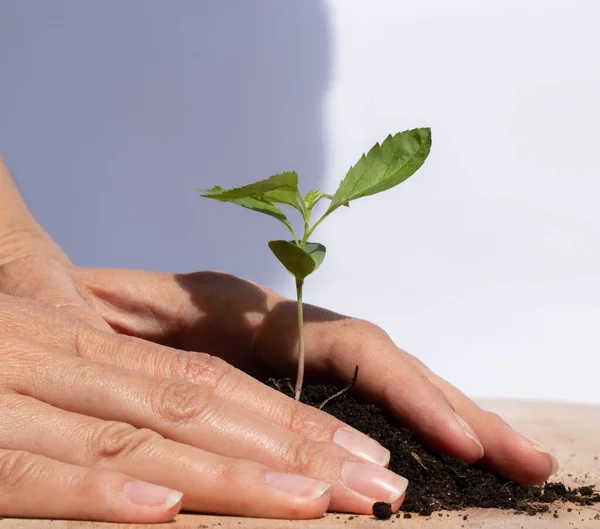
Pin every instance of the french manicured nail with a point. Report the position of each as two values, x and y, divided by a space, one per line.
297 485
149 495
373 481
469 433
541 448
362 446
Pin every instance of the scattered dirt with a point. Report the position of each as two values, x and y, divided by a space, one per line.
382 510
439 482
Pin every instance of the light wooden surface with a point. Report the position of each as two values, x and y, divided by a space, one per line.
571 431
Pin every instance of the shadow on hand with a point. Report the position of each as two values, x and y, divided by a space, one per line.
248 326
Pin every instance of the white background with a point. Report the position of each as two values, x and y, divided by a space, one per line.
485 264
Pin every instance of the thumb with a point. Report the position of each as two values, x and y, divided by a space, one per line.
48 281
32 265
202 311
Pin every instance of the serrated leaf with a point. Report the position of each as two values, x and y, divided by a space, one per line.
384 166
313 196
283 182
283 196
262 206
300 262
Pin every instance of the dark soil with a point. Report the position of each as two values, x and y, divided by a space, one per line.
439 482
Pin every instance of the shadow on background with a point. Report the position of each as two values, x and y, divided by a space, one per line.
115 113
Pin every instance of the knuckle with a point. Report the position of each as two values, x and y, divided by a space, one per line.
369 329
225 470
359 331
199 368
83 338
416 361
17 468
115 440
493 417
229 470
180 402
304 455
366 337
304 420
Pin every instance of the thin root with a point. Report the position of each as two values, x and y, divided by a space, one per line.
418 459
341 391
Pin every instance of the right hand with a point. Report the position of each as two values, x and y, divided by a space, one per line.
83 436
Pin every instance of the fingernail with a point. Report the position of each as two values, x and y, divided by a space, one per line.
541 448
149 495
297 485
373 481
362 446
468 431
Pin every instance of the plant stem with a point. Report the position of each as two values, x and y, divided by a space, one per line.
306 217
300 373
308 233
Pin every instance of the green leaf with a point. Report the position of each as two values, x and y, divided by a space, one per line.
261 196
313 196
262 206
385 166
300 262
283 196
316 251
283 182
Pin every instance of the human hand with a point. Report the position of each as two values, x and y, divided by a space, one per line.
91 417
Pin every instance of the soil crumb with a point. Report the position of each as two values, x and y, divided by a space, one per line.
382 510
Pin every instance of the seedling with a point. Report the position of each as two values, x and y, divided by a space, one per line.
382 168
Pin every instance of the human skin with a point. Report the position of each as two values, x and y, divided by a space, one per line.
112 380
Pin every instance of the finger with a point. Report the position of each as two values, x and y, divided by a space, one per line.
242 393
210 483
33 486
193 415
390 380
508 452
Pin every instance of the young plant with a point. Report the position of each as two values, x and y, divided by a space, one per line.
382 168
